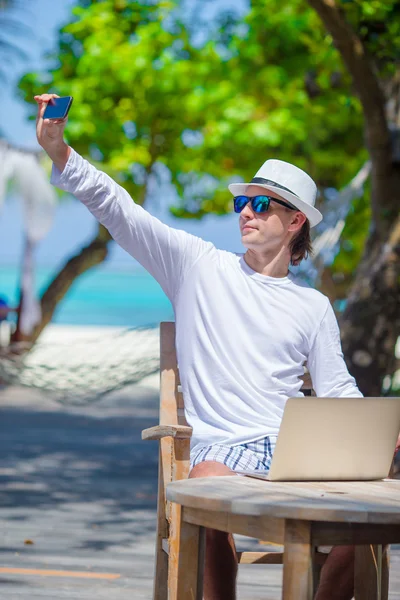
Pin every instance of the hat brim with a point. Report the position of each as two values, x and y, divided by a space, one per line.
312 214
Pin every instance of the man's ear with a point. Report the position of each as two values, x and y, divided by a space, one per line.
297 221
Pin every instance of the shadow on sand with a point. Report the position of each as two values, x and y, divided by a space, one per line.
85 463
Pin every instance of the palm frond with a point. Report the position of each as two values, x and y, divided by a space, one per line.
12 49
11 26
6 5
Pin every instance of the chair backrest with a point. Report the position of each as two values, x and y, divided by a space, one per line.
171 398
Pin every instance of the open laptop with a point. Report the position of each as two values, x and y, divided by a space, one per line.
334 439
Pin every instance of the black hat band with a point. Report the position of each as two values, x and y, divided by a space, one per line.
270 182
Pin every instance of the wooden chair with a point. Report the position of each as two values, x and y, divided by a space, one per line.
174 435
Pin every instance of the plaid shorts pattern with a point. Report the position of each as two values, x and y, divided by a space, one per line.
252 456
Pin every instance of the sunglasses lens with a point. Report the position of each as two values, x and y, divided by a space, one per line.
260 204
239 202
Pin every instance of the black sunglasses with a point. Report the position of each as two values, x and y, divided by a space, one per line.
260 204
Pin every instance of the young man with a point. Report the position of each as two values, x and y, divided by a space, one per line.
245 325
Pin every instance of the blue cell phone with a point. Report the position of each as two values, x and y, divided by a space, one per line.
58 108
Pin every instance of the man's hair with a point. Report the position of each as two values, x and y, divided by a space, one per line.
300 245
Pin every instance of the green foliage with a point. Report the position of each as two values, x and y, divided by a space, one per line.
377 23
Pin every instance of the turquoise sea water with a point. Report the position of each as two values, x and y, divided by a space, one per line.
101 297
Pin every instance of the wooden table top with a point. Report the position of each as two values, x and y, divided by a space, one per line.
346 501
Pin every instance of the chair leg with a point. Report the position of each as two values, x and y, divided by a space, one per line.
160 587
371 572
160 582
168 565
174 550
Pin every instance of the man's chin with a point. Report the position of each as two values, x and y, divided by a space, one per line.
248 243
248 235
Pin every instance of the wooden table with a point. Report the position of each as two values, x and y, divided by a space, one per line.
299 515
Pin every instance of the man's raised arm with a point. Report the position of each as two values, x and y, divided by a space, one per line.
165 252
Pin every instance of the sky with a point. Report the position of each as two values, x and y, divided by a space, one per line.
73 225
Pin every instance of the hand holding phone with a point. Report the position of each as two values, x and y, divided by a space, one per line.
58 107
50 131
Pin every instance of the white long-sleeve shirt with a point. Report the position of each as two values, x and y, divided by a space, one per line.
242 338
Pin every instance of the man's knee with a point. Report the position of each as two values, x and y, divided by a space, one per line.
210 468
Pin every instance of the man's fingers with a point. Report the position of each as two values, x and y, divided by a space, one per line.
45 97
41 109
43 100
42 103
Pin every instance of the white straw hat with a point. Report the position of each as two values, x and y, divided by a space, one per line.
288 182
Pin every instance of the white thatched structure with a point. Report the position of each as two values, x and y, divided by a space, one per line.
24 172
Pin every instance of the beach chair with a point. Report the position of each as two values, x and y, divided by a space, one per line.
174 435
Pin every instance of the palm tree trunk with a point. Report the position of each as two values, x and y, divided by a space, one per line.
370 325
90 256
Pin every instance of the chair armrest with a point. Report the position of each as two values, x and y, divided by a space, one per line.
161 431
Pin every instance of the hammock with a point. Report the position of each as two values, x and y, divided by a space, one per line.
338 205
84 370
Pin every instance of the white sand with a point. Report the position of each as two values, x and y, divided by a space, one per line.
61 334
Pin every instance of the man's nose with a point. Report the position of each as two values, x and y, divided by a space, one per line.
248 211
